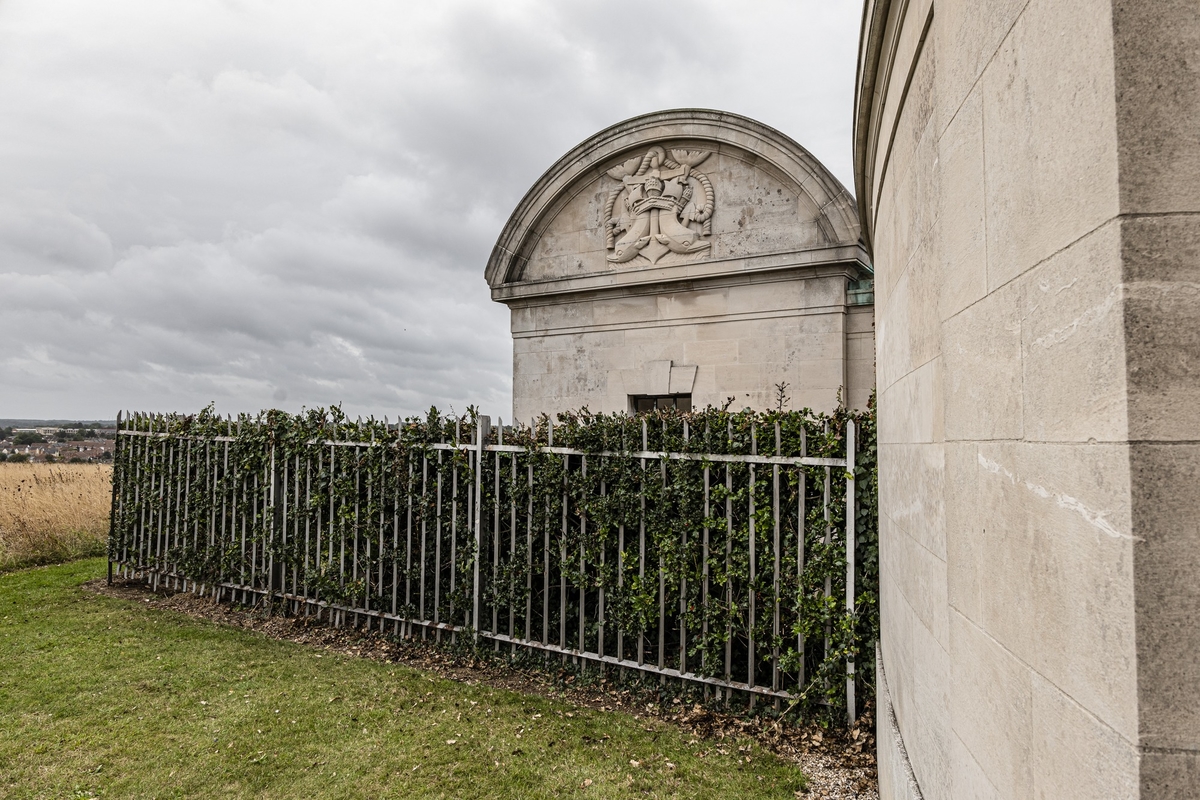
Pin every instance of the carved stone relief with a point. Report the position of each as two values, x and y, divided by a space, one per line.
662 205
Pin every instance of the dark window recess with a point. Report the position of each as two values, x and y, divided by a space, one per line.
641 403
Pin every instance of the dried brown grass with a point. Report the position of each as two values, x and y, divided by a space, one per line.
52 512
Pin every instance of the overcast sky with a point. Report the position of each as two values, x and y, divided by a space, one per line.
286 204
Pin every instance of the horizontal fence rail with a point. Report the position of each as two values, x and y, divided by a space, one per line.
648 545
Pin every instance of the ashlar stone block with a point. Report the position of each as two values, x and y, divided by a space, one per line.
981 347
1073 343
1075 756
961 217
1049 112
991 705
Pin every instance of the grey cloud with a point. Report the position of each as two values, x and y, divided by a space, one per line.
288 205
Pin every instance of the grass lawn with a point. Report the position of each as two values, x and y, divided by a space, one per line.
102 697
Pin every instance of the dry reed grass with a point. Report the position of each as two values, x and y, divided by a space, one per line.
52 512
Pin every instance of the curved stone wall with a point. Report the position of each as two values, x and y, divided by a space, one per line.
1028 179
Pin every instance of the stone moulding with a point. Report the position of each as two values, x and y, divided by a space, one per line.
708 273
684 240
658 199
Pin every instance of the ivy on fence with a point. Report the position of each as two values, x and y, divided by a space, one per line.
694 564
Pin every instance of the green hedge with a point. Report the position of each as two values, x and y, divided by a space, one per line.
206 481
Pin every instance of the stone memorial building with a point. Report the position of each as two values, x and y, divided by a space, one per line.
1028 175
680 259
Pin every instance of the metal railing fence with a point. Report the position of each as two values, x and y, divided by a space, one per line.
717 562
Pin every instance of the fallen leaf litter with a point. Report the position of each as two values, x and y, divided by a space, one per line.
840 765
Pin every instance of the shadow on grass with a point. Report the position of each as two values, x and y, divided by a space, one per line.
104 697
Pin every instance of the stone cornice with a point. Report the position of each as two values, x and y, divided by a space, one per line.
868 97
721 131
880 93
850 260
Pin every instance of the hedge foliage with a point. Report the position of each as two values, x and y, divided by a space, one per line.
365 528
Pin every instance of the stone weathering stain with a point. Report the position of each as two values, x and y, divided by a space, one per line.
1028 176
679 259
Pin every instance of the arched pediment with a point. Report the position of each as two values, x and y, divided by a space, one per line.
672 189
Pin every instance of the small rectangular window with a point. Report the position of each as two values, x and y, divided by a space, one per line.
639 404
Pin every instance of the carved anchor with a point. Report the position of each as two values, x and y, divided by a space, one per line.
659 212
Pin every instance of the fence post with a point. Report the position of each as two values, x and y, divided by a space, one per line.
274 526
850 548
483 429
117 487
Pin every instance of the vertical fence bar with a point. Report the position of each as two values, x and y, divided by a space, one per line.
143 499
454 521
850 554
620 586
408 538
166 520
662 576
117 517
227 508
482 434
180 521
728 554
124 450
264 514
308 509
295 508
828 537
437 548
801 525
704 571
143 494
512 540
154 465
683 582
546 560
600 593
357 462
210 479
562 564
469 488
257 502
337 526
273 524
158 466
186 519
169 522
751 661
642 547
582 557
330 519
776 576
160 512
424 537
364 455
496 534
239 501
115 499
381 526
529 540
133 466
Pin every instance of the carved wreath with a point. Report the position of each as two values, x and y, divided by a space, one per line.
663 205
